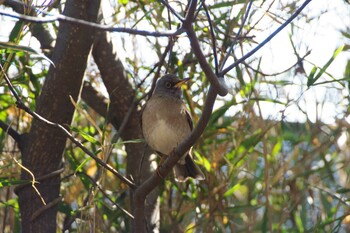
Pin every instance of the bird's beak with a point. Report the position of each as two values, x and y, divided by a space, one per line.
181 82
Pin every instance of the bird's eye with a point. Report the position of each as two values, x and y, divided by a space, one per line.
167 84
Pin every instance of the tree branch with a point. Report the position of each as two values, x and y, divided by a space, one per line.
237 35
94 99
212 34
13 133
62 18
150 184
260 45
165 3
214 80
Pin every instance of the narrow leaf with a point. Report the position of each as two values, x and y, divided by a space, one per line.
325 67
15 47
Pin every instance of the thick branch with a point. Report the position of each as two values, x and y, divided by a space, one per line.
94 99
191 12
213 79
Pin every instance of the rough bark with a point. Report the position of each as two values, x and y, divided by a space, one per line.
121 95
44 146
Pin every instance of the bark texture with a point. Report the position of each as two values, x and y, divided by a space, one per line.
44 146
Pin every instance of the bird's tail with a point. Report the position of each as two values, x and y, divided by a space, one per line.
186 169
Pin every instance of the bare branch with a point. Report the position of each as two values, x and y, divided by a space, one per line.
260 45
44 208
165 3
62 18
238 35
94 99
13 133
190 13
163 170
212 37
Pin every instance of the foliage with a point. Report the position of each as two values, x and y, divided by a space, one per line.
266 170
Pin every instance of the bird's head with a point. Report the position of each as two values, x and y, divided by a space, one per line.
170 85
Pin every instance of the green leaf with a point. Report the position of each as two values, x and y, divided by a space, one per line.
15 47
298 222
325 67
277 148
77 166
343 190
219 113
225 4
86 136
89 138
252 140
203 161
4 182
16 31
123 2
347 73
310 78
231 190
80 167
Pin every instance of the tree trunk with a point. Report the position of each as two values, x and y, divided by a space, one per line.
44 146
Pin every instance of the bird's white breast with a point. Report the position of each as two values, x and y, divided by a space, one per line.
168 128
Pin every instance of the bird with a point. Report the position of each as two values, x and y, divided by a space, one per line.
166 122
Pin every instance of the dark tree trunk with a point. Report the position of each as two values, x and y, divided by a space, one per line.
44 146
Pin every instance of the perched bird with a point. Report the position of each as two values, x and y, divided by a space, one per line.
166 123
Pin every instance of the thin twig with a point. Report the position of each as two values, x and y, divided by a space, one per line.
63 18
238 34
106 195
260 45
10 131
212 37
33 181
165 3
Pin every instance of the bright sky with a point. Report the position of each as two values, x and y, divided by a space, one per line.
324 38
